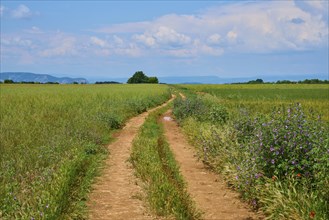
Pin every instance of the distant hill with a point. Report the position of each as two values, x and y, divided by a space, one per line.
219 80
42 78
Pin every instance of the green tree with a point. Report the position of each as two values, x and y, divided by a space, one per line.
8 81
153 79
138 77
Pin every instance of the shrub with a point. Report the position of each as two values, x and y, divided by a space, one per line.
203 110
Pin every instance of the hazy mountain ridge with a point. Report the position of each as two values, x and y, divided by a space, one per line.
210 79
42 78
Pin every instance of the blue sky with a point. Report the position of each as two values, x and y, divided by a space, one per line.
113 39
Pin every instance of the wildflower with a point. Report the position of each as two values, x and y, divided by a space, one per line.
271 149
299 175
272 161
236 177
312 214
257 175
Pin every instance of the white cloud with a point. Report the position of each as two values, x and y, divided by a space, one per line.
252 27
61 45
318 4
214 39
2 10
131 50
168 36
125 28
118 40
145 39
17 42
99 42
22 12
239 27
164 36
231 35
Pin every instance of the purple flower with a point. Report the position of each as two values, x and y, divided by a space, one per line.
272 161
271 149
277 152
293 162
257 175
236 177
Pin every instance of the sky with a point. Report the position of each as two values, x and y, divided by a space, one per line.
113 39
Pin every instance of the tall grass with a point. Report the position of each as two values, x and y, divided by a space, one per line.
279 161
52 142
157 168
262 98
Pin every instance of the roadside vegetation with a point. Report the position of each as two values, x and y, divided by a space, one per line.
53 139
270 143
156 166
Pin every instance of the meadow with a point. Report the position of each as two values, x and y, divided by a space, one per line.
53 139
270 143
263 97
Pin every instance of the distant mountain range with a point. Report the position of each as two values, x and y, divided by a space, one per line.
42 78
217 80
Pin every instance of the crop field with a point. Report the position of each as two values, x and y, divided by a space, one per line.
262 98
53 138
270 142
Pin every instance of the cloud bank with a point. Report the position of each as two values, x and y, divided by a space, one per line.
239 28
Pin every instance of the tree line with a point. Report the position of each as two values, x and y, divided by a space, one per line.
306 81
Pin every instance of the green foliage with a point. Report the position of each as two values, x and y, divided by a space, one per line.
278 160
140 77
8 81
156 166
285 143
201 109
153 79
52 143
262 98
257 81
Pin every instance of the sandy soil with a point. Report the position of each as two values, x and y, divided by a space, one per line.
209 191
116 194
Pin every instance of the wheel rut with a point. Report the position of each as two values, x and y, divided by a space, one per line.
116 194
209 191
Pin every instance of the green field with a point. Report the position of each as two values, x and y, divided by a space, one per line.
262 98
52 140
270 142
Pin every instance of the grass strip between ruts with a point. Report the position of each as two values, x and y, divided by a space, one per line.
156 166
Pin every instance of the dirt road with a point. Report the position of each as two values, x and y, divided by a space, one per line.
210 193
116 194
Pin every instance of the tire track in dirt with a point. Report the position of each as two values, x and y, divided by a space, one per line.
210 192
116 194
